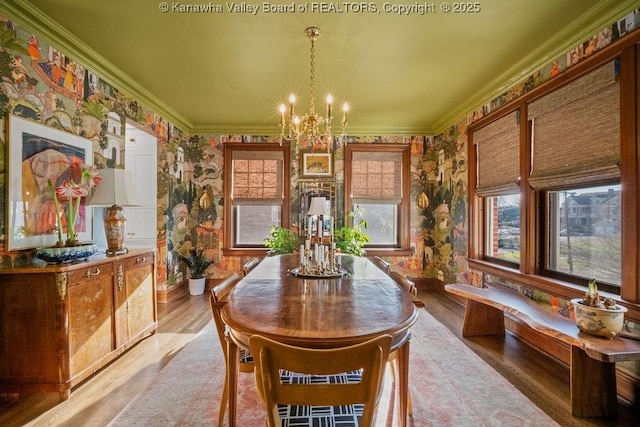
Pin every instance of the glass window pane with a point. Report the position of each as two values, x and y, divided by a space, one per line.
585 238
503 227
253 223
382 222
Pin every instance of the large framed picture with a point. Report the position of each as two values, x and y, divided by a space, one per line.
316 164
36 154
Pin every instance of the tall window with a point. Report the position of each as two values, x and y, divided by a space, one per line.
498 162
563 221
377 190
575 139
256 193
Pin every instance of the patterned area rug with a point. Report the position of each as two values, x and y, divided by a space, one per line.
449 385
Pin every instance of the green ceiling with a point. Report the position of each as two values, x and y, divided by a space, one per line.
226 71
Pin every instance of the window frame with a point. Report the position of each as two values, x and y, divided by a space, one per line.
229 212
404 226
534 228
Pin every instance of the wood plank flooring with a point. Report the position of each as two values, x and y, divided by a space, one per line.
99 399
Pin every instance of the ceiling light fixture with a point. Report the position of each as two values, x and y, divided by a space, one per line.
312 127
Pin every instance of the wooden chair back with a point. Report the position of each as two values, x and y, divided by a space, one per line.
405 283
216 300
218 293
271 357
382 264
250 265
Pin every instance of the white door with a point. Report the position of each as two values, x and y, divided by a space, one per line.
142 162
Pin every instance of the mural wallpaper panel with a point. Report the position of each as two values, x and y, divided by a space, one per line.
40 83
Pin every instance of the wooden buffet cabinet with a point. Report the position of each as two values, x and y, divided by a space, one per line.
61 323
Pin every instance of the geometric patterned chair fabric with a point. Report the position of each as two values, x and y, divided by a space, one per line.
330 387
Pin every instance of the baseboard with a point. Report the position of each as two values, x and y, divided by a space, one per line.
427 283
165 295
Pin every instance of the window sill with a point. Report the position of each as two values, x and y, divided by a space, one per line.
548 285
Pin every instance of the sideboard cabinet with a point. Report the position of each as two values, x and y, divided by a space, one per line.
61 323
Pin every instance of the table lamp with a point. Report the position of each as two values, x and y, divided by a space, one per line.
318 206
114 192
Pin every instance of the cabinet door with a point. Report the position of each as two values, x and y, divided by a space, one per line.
136 298
91 332
29 322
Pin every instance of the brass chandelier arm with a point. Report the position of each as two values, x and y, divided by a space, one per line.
312 127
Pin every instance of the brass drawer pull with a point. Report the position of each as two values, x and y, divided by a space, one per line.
141 260
95 273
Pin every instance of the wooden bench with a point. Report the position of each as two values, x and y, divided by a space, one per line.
593 359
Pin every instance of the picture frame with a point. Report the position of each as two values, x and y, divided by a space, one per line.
37 153
316 164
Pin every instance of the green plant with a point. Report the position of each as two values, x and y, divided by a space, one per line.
197 261
351 240
281 241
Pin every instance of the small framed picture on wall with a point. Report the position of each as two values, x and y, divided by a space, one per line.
316 164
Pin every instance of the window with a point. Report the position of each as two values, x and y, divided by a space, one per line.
585 234
377 190
256 194
503 228
497 148
582 221
563 222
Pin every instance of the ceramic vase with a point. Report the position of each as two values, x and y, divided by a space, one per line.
598 321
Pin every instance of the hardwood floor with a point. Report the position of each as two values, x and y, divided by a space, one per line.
99 399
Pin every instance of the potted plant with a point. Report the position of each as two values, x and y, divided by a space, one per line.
281 241
198 262
351 240
597 315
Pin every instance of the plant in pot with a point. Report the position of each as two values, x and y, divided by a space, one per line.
597 315
351 240
198 262
281 241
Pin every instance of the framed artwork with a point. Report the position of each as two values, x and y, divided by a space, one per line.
36 154
316 164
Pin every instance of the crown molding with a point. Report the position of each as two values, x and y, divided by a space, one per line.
605 13
594 20
35 21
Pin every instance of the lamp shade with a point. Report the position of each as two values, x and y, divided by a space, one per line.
114 189
318 206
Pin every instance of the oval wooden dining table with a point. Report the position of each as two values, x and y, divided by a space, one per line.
319 313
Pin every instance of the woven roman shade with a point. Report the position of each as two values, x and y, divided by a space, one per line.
377 176
257 177
498 156
576 132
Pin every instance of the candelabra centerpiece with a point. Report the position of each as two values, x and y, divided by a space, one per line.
318 253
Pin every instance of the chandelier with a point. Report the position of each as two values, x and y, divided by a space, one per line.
311 126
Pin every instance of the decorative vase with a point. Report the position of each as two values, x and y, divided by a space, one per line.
196 286
598 321
66 254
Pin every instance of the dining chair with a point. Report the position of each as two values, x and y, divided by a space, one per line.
250 265
216 300
410 287
381 264
310 394
404 282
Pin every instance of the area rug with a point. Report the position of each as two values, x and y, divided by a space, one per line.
449 385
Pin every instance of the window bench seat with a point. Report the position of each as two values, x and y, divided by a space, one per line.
593 359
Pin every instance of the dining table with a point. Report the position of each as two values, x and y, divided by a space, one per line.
360 303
